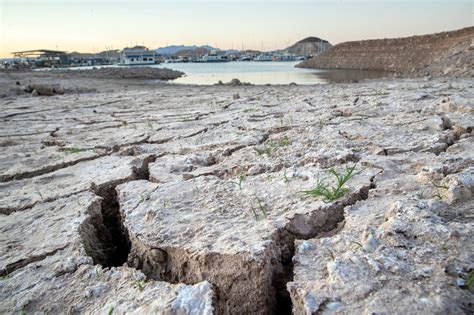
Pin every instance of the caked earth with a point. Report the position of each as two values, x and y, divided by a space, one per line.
172 199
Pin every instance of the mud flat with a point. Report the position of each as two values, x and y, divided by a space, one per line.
187 199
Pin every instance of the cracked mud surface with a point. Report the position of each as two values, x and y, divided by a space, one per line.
184 200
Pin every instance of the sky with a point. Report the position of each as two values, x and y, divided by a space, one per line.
92 26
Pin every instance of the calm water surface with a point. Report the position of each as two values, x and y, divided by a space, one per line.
259 73
264 73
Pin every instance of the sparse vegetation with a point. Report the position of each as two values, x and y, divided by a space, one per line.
139 284
470 280
266 150
285 141
357 244
248 110
321 124
270 145
6 276
379 103
331 254
421 195
239 183
285 177
166 204
255 215
438 187
262 208
336 191
40 194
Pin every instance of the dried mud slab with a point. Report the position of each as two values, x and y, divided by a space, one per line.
207 228
400 250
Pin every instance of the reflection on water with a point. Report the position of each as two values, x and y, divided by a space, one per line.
265 73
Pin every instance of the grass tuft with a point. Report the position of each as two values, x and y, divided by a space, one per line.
285 177
470 280
139 284
330 193
239 183
438 187
262 208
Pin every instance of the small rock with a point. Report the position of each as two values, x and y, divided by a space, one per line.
158 255
334 306
45 90
28 89
35 93
236 96
58 90
380 151
446 123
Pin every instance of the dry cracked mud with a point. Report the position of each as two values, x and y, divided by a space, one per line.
186 200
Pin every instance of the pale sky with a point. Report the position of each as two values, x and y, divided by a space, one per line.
89 25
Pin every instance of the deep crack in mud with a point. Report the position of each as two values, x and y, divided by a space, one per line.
114 243
284 272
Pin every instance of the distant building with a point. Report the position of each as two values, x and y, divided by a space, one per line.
42 58
137 55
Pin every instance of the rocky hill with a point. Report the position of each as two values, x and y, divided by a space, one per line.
447 53
309 46
196 52
115 53
173 49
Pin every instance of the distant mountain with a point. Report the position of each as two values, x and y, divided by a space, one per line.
196 52
173 49
103 54
309 46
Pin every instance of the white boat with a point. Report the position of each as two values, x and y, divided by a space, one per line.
213 56
264 57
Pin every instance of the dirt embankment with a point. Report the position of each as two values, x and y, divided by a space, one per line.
14 82
440 54
146 73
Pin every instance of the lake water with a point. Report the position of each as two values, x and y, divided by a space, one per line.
258 73
264 73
